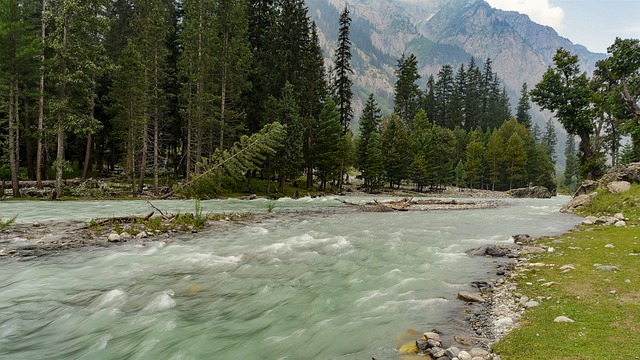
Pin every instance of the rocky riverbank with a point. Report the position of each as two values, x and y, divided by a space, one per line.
491 310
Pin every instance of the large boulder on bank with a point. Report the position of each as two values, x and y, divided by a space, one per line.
618 187
629 173
577 202
495 250
534 192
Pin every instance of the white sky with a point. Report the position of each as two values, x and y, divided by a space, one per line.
592 23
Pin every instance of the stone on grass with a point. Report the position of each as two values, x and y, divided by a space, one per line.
505 321
562 319
620 223
628 281
530 304
567 267
608 268
470 297
620 216
618 187
609 246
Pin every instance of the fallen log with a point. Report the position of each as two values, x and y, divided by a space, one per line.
124 219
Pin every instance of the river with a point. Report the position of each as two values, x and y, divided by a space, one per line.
334 284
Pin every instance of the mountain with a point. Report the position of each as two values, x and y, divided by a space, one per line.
440 32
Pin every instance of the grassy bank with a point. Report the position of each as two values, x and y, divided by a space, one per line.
605 305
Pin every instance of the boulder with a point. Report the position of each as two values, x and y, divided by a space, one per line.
629 173
452 352
523 239
493 250
577 202
534 192
430 335
618 187
587 187
477 352
470 297
620 224
463 355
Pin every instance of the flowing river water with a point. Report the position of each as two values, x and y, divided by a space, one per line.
334 284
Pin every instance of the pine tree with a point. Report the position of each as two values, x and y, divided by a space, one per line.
395 150
475 161
407 92
72 63
325 147
549 140
494 156
443 89
342 71
369 122
373 172
524 106
515 159
231 66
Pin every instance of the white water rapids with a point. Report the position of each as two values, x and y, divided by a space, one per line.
331 285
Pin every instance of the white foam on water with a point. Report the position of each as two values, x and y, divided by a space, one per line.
296 333
111 300
370 295
163 301
259 230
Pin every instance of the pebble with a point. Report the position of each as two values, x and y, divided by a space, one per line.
463 355
562 319
620 223
628 281
608 268
113 237
530 304
609 246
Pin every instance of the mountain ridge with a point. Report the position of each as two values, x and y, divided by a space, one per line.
440 32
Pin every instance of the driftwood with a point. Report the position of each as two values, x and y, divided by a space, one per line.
124 219
408 204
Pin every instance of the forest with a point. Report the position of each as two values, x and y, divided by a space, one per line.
217 95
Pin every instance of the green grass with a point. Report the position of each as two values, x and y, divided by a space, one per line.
6 223
606 309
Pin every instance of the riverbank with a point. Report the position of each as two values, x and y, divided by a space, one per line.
584 294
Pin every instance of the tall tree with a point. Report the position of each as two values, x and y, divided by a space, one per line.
369 122
395 150
564 89
515 159
524 106
326 144
72 43
231 65
343 71
152 27
407 92
18 50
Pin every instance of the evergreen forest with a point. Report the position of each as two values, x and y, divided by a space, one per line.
211 97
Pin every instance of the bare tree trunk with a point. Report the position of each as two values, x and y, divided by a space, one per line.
187 149
60 130
131 163
143 157
14 161
41 102
87 152
156 141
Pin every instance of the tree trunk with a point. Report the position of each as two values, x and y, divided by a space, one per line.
61 120
41 101
87 152
156 140
13 138
143 156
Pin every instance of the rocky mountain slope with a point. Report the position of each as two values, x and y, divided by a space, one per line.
440 32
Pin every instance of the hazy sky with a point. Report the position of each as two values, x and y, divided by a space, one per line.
592 23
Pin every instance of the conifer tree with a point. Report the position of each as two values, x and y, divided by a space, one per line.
494 156
395 150
407 92
524 106
373 172
325 147
369 122
475 159
443 92
72 46
343 71
515 159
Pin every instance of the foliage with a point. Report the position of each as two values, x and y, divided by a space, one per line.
6 223
342 70
249 153
407 93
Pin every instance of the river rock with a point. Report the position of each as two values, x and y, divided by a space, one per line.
430 335
470 297
505 321
577 202
113 237
142 235
530 304
125 236
535 192
477 352
452 352
463 355
562 319
437 352
494 250
523 239
618 187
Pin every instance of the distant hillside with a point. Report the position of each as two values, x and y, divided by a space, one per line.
440 32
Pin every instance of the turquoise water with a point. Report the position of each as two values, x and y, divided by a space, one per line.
334 285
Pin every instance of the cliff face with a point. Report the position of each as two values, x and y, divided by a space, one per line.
440 32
